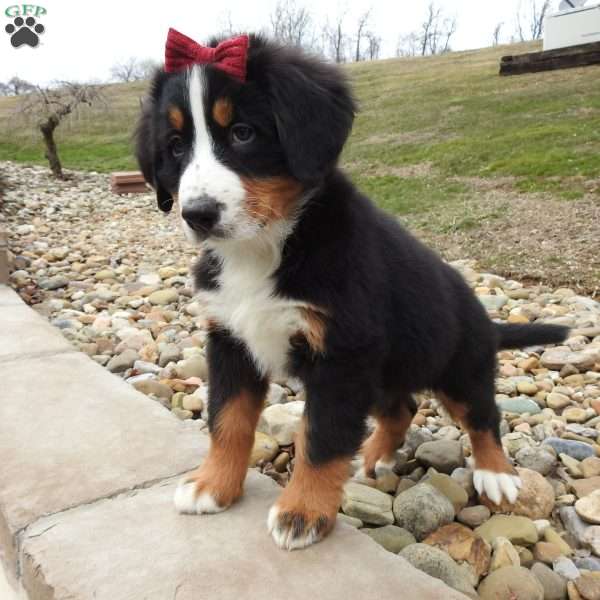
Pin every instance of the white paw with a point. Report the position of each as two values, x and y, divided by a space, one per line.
291 535
495 485
188 502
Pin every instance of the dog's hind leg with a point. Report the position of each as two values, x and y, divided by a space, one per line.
393 421
236 396
473 406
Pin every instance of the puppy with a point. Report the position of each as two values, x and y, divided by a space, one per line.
304 276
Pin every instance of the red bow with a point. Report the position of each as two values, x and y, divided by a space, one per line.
229 56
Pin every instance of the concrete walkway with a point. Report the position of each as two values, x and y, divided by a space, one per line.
88 468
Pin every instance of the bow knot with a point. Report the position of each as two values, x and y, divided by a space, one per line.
229 55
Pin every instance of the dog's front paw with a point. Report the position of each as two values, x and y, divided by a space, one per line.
195 495
294 529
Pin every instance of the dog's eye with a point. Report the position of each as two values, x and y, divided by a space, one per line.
242 133
176 146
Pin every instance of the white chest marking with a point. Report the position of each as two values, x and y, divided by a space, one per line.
246 304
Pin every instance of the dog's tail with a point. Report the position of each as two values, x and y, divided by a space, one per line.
520 336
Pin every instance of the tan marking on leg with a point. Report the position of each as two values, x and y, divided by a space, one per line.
176 117
487 451
386 439
222 111
223 472
313 496
315 329
271 198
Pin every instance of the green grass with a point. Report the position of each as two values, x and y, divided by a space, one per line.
452 113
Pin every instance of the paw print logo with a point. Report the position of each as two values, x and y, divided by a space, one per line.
24 31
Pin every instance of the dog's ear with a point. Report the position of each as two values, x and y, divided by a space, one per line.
147 154
314 110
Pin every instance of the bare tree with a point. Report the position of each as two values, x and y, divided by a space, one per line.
147 68
496 33
127 70
335 39
50 106
408 44
428 39
373 45
530 22
4 89
16 86
361 24
292 24
447 33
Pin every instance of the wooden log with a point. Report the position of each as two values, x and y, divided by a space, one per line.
128 182
549 60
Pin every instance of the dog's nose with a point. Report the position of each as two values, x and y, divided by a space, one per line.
201 213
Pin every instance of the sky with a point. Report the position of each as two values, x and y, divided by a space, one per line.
83 39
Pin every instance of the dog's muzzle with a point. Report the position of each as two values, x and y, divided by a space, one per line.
201 214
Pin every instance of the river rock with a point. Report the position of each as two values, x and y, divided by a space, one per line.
443 455
422 509
511 583
367 504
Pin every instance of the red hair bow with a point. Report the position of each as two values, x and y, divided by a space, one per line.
229 56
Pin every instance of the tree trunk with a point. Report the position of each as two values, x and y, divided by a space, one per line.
51 153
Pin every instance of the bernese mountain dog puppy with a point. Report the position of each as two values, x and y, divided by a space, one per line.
303 276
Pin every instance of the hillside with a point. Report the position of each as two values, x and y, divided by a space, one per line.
503 170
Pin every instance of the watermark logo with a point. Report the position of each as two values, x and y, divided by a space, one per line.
25 30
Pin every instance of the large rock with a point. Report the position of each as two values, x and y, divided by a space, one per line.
392 538
511 583
464 546
519 405
443 455
282 421
122 362
422 509
519 530
438 564
535 499
555 587
367 504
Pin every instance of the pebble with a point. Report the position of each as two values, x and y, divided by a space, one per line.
422 509
163 297
588 586
566 568
540 458
392 538
588 507
519 530
504 555
367 504
473 516
583 487
555 587
122 362
265 449
577 450
438 564
462 545
511 583
282 421
443 455
519 405
590 467
535 499
450 488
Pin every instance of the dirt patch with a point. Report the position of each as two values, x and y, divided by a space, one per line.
526 236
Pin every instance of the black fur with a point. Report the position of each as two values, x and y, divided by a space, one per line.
398 319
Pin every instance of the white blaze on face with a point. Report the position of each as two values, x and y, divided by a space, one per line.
205 175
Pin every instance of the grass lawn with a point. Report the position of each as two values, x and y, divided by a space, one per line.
481 166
